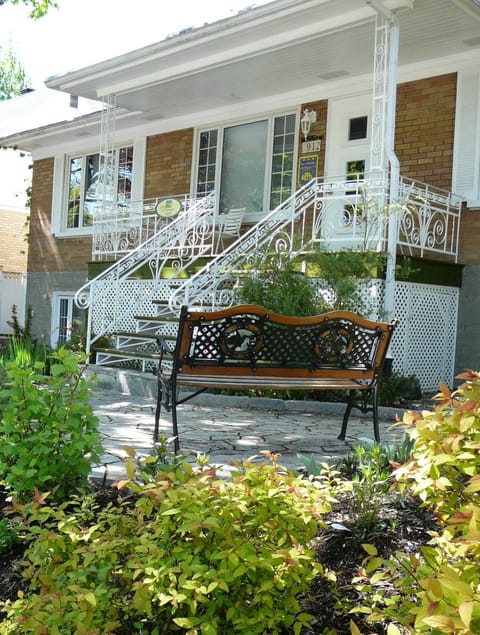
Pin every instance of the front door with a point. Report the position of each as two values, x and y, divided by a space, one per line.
347 157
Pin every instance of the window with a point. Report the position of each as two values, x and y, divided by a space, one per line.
282 159
249 164
358 128
85 186
67 319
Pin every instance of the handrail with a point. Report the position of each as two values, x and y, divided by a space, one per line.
334 212
182 239
300 221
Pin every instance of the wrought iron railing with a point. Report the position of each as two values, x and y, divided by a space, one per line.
429 220
119 229
334 213
178 242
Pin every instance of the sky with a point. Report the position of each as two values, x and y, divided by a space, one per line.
83 32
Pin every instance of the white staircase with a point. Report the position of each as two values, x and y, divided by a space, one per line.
131 310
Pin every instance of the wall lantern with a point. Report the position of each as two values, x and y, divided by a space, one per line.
309 117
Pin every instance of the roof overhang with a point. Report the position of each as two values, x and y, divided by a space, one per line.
274 56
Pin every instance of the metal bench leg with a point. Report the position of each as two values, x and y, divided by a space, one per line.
376 429
176 440
157 414
348 410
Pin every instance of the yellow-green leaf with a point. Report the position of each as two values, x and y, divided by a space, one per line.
370 549
465 611
90 598
354 628
130 469
443 623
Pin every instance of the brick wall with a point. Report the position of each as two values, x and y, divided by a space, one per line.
168 163
470 237
51 253
318 129
425 127
14 248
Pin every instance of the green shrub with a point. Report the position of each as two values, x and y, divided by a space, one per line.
8 536
399 390
196 554
48 430
276 281
280 286
438 590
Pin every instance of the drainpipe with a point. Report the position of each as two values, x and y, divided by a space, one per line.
389 304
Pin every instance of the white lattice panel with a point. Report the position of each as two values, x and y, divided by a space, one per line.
115 307
424 342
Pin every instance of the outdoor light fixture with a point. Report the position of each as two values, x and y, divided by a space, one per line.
309 117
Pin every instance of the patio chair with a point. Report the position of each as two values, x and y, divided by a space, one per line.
228 226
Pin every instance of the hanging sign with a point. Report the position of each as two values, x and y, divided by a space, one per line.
168 208
307 168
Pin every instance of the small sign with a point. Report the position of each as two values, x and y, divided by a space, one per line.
307 168
311 146
168 208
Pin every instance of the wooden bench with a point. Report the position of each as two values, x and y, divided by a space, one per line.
248 347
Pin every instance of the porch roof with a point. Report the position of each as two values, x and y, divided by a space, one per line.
274 56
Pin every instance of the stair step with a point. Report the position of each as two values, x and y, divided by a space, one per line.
133 341
139 360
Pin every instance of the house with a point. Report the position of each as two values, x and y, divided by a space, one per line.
342 123
14 216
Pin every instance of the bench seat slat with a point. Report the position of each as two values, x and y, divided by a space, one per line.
268 383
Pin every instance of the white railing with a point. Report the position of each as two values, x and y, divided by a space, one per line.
118 229
333 213
429 221
178 243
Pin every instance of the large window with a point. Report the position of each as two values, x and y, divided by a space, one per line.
249 164
85 192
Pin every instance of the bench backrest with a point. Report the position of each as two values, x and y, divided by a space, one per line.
247 339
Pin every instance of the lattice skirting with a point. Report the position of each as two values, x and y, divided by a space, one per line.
424 342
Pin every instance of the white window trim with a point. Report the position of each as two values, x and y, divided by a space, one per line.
57 296
270 117
60 186
466 149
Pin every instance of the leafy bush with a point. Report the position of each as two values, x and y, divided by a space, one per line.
8 536
281 287
48 430
194 554
277 282
438 590
398 390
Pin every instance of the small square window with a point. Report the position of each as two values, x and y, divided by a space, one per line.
358 128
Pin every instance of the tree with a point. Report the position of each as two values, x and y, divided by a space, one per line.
12 74
38 8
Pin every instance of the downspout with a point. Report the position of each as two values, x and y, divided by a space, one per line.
394 163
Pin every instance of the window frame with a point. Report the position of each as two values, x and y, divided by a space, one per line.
61 174
220 128
55 330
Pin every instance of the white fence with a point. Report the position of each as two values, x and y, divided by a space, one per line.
13 288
